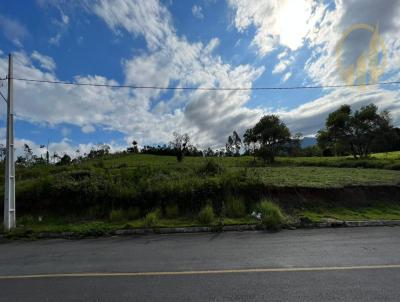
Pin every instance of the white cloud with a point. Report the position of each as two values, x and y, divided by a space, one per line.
174 60
45 62
322 66
147 18
13 30
282 65
309 117
150 116
278 22
197 11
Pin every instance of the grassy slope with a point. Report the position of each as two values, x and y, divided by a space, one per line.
279 174
287 172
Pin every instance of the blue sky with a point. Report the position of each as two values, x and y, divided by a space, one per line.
208 43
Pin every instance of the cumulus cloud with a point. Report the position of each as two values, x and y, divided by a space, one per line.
172 59
150 116
280 22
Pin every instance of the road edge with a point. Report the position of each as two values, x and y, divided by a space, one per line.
208 229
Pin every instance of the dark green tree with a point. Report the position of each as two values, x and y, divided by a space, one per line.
271 134
354 133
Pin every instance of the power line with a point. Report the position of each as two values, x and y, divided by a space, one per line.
203 88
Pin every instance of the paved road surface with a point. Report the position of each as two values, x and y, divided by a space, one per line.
346 264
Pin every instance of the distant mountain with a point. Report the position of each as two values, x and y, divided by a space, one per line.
308 141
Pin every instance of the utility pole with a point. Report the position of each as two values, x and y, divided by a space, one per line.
9 185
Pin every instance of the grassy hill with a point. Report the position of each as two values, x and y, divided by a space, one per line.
128 186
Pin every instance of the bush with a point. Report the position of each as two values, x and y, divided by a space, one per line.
206 215
235 207
171 211
151 219
271 215
210 167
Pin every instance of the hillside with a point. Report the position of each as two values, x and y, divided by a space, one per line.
126 187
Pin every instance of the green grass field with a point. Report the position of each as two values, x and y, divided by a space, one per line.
82 196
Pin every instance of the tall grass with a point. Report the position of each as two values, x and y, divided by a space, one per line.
206 215
271 215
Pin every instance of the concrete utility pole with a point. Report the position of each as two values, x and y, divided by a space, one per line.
9 185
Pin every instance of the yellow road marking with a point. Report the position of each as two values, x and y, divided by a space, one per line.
202 272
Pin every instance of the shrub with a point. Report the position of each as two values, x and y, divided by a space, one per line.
235 207
151 219
271 215
171 211
210 167
206 215
117 215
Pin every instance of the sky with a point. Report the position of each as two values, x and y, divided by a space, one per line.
185 43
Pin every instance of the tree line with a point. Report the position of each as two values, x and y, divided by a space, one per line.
346 132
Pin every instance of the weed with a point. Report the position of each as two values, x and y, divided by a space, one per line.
151 219
271 215
206 215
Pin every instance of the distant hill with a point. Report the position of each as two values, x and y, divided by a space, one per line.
308 141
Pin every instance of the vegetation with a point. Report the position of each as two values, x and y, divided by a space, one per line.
206 215
151 219
271 215
270 134
356 133
139 188
235 207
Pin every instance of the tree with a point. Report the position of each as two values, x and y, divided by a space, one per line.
134 148
233 145
368 125
356 133
209 152
180 144
271 134
250 142
28 154
324 142
65 160
229 146
339 130
293 146
237 143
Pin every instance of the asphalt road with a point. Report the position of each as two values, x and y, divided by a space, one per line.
346 264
